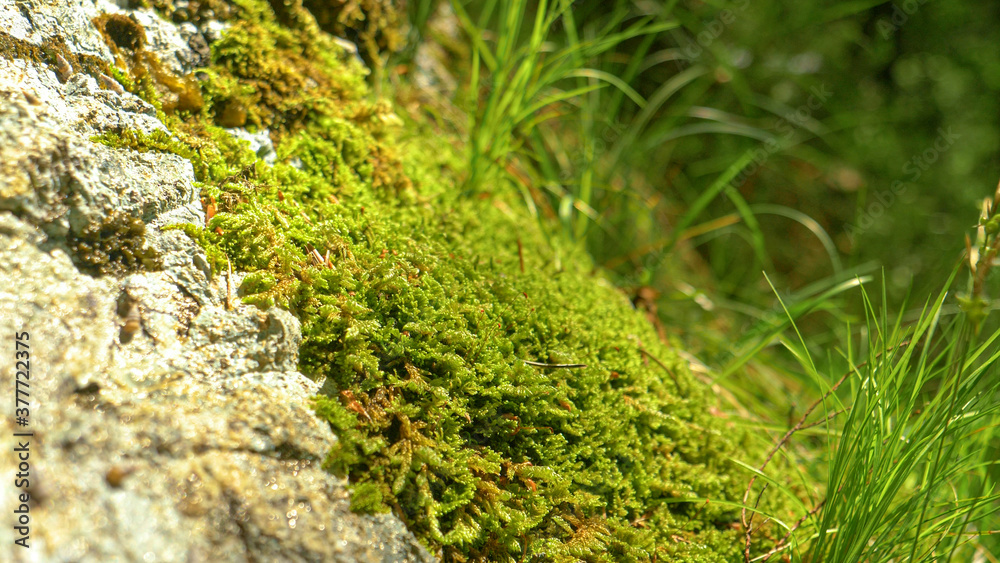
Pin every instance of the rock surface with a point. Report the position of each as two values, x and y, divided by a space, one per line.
168 421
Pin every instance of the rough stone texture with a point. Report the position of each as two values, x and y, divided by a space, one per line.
167 426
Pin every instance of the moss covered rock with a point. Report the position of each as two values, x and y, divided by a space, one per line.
487 386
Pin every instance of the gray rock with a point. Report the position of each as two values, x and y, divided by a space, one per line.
169 422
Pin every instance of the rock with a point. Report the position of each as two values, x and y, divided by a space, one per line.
169 422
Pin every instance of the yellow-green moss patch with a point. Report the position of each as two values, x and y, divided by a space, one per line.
435 321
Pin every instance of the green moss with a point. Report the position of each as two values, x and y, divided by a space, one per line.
158 140
420 311
423 348
114 246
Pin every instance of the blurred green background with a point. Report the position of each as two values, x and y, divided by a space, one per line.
909 94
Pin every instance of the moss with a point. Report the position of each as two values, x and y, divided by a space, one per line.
54 54
146 76
378 26
114 246
158 140
122 31
286 77
422 335
420 315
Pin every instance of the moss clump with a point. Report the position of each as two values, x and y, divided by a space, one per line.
420 315
114 246
277 77
441 420
273 68
378 26
123 31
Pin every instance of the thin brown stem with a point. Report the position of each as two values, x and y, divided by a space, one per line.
784 541
520 253
749 530
673 377
823 420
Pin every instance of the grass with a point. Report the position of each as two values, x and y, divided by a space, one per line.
553 109
909 452
526 81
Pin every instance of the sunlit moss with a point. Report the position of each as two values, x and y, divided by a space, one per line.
421 309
